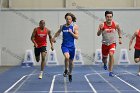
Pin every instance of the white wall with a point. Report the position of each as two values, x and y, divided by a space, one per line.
100 3
37 3
69 3
0 56
17 26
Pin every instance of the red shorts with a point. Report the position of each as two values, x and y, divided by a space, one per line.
106 49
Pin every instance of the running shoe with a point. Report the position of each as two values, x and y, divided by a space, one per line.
111 74
65 73
40 76
70 78
138 73
105 67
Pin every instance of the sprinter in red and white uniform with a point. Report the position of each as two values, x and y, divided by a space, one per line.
108 30
137 47
39 38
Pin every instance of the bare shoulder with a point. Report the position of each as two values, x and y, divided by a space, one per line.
76 26
48 29
61 26
35 29
137 31
116 24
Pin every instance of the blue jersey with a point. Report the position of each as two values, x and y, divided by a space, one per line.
68 39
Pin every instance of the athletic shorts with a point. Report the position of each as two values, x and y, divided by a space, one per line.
37 51
106 49
70 50
137 53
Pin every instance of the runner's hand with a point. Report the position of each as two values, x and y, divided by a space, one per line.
129 48
35 45
52 48
120 41
53 40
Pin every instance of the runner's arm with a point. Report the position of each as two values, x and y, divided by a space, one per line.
50 39
131 40
33 37
119 33
100 29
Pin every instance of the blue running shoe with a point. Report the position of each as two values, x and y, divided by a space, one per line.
105 67
111 74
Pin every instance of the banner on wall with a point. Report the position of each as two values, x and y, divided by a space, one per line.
78 59
28 59
52 58
0 56
123 59
98 56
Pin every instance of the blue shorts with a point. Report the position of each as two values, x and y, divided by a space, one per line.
70 50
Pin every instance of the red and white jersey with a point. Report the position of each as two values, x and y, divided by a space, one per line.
109 33
137 44
40 37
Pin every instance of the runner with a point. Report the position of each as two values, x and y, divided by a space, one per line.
70 32
137 47
108 30
39 38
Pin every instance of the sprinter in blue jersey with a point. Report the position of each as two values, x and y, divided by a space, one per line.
70 32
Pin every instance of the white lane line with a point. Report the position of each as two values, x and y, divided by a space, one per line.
109 91
65 85
91 86
108 82
127 83
126 73
96 73
105 80
23 82
15 84
131 73
52 84
6 91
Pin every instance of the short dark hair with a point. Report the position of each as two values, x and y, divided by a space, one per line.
108 12
41 21
72 16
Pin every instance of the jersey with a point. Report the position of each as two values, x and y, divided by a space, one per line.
40 37
109 33
137 44
68 39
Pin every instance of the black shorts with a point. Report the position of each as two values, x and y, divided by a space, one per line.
37 51
137 53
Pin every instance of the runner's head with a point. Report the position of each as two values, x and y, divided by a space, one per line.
42 24
70 18
108 16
